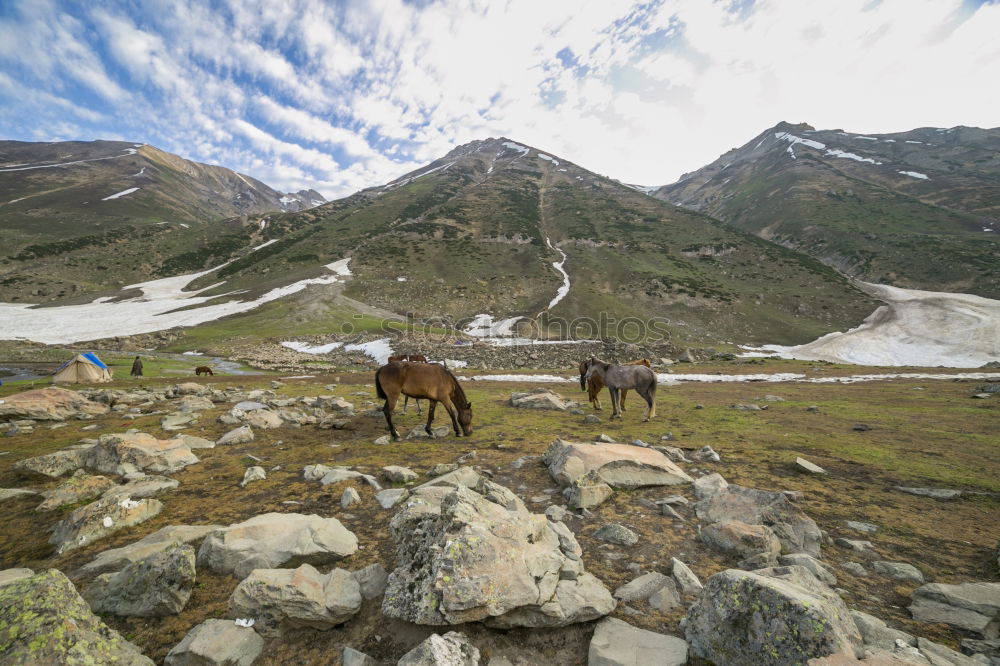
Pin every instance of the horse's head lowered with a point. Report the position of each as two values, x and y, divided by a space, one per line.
584 366
465 417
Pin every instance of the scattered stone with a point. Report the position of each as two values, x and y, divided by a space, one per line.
255 473
349 497
982 396
177 421
867 528
749 408
118 558
556 513
686 580
391 497
352 657
541 399
281 599
452 649
707 486
193 403
217 643
55 464
899 571
675 454
10 575
99 519
157 585
618 643
371 580
935 653
134 451
193 442
399 474
49 404
876 633
936 493
240 435
451 530
815 567
616 533
812 408
807 466
673 500
641 588
773 398
668 511
441 469
784 613
274 539
741 540
974 607
591 419
861 427
618 465
384 439
46 621
989 649
705 454
795 530
144 486
855 569
77 488
856 545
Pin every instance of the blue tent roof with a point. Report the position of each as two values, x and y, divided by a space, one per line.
92 357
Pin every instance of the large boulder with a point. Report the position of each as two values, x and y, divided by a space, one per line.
742 540
99 519
275 539
452 649
592 466
974 607
797 532
618 643
240 435
541 399
469 550
77 488
43 620
773 616
160 540
54 464
143 486
280 599
130 452
48 404
157 585
216 643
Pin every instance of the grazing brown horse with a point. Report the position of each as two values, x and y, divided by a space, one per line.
423 380
203 370
411 358
619 377
594 385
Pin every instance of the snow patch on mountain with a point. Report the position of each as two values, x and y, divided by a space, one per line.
123 193
791 138
914 174
127 152
549 158
558 265
516 146
836 152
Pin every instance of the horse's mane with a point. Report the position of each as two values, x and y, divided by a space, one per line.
458 389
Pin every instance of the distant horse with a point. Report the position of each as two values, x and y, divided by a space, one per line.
203 370
619 377
410 358
594 385
423 380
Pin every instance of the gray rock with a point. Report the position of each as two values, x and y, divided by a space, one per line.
193 403
349 497
974 607
741 540
709 485
556 513
372 580
143 486
641 588
99 519
177 421
797 532
666 598
591 419
541 399
856 545
391 497
338 474
452 649
587 492
810 467
117 558
899 571
78 488
936 493
941 655
855 569
157 585
240 435
56 626
784 613
54 464
10 493
989 649
384 439
817 568
10 575
686 580
867 528
667 510
216 643
673 500
255 473
441 469
618 465
193 442
876 633
399 474
676 454
616 533
705 454
618 643
281 599
135 451
455 531
352 657
276 539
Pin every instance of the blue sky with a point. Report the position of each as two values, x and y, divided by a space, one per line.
344 95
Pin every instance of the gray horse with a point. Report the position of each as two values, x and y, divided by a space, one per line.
620 377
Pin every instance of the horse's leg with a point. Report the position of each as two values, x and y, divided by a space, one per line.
453 413
615 403
417 400
390 404
430 417
406 402
624 391
649 394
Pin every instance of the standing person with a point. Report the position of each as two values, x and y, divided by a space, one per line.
137 367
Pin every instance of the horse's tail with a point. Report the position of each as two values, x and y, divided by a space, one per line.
378 385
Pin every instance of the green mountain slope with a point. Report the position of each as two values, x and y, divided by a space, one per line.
918 209
84 216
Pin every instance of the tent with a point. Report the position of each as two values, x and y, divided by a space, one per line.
83 369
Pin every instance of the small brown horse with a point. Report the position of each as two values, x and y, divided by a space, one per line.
594 385
619 377
203 370
410 358
423 380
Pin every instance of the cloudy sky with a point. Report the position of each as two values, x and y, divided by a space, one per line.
344 95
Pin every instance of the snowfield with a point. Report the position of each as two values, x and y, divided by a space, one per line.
121 194
915 328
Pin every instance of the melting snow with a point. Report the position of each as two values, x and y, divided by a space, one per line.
192 353
401 278
140 172
306 348
672 379
184 225
286 199
121 194
516 146
340 267
558 265
785 136
791 152
867 138
914 174
273 240
914 142
835 152
546 157
380 350
128 151
483 326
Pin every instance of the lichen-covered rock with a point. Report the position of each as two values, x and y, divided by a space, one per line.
216 643
469 550
146 485
618 643
240 435
709 485
452 649
54 464
157 585
48 404
774 616
974 607
797 532
10 575
618 465
742 540
117 558
275 539
99 519
43 620
280 599
77 488
817 568
131 452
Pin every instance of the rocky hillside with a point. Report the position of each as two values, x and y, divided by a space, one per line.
918 209
84 216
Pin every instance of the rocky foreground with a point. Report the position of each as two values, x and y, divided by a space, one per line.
470 555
